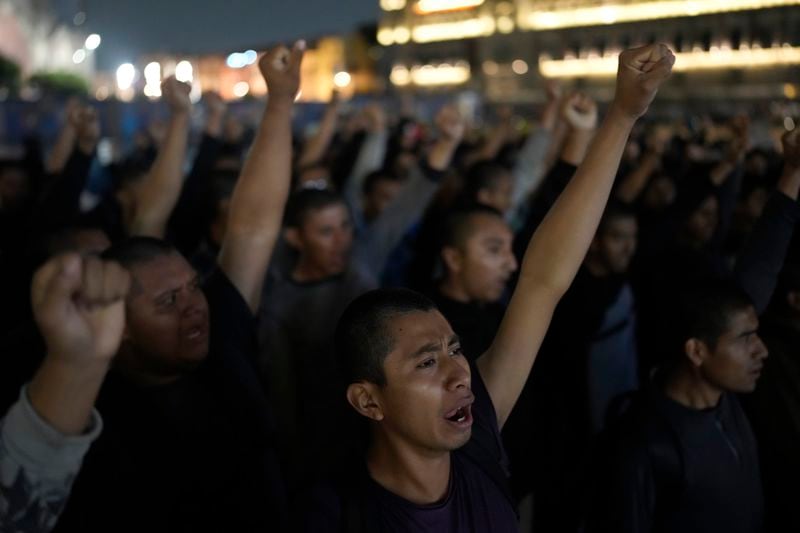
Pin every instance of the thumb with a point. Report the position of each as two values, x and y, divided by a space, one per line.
296 56
56 282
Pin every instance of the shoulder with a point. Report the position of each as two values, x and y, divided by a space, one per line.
221 292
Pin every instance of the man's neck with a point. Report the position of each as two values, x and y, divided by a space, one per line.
686 387
421 478
305 272
452 289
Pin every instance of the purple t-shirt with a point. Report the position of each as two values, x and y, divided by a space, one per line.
475 501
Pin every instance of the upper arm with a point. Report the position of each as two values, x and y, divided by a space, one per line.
235 261
522 331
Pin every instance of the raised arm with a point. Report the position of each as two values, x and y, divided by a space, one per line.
258 201
59 203
79 308
370 156
318 144
376 245
580 114
65 142
761 260
183 229
158 192
529 170
558 247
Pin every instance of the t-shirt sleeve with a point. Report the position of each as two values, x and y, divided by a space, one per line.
486 442
37 467
233 325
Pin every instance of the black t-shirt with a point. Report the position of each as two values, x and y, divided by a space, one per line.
477 500
194 455
476 324
669 468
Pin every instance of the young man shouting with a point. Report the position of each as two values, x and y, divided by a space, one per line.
435 461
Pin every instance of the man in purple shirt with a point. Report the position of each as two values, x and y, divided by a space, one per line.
434 460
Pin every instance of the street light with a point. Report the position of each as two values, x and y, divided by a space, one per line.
79 56
342 79
125 76
93 41
184 72
241 89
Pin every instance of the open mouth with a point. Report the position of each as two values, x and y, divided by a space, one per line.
461 417
196 333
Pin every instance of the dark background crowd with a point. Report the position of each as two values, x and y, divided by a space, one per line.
666 391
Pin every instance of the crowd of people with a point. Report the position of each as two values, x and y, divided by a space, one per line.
337 331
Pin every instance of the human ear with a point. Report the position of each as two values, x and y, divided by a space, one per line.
363 398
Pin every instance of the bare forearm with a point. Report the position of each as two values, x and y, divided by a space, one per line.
64 393
564 236
257 204
549 115
264 183
159 192
634 183
316 146
62 150
551 261
575 146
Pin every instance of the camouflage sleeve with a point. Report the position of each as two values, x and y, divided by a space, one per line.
37 467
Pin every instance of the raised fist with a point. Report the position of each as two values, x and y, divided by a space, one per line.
553 90
791 150
176 94
78 304
641 72
580 112
281 70
450 123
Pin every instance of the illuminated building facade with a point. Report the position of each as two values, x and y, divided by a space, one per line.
725 48
330 63
33 36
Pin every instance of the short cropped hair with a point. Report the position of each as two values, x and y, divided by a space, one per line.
137 250
363 338
302 202
482 175
459 224
377 176
615 210
704 312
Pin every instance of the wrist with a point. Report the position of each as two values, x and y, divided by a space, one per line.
181 113
280 102
620 116
81 365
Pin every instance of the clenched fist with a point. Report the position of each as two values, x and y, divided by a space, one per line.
176 94
450 124
641 72
79 307
281 70
791 150
580 112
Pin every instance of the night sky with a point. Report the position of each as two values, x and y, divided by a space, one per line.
131 27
